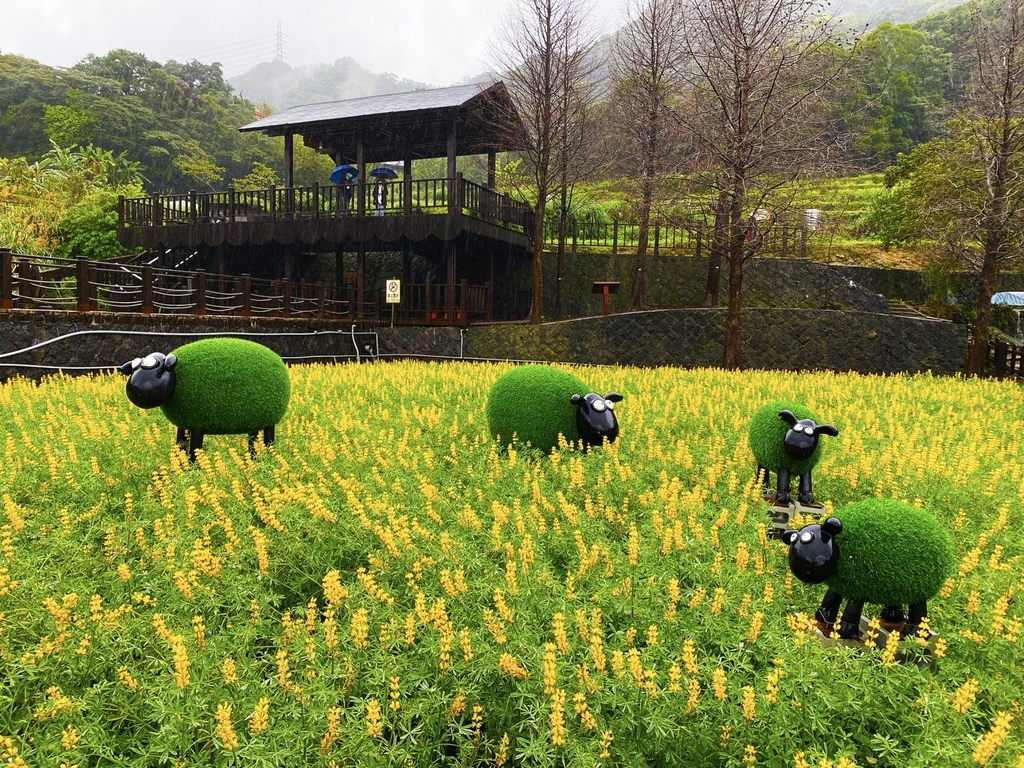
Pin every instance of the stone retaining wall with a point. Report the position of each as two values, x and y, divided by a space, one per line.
772 339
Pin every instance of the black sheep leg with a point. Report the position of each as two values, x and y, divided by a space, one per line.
782 487
195 443
182 439
893 614
805 495
268 435
849 627
918 611
829 609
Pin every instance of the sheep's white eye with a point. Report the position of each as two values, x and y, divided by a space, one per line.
806 537
599 405
150 361
610 404
809 430
136 362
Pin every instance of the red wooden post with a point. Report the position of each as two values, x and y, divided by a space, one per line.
246 296
286 292
6 280
200 292
82 287
147 289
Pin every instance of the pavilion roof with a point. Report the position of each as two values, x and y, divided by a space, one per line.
415 122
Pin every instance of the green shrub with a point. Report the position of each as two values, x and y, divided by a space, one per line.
531 404
228 386
767 431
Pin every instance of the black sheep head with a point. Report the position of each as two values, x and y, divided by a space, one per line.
151 379
814 552
595 417
801 440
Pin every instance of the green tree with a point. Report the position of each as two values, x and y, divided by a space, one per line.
899 97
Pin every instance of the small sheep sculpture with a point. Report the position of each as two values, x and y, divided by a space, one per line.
784 438
879 551
216 386
536 403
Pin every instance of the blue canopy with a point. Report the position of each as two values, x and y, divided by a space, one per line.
1009 298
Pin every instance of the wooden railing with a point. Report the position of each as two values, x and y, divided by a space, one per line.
418 196
47 284
784 240
1006 360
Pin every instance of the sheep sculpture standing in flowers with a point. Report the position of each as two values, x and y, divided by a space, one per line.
878 551
534 404
784 438
216 386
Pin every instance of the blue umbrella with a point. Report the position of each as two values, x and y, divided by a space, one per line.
384 172
342 173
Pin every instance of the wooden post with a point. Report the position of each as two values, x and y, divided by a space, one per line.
286 298
147 289
316 200
321 301
26 292
231 203
158 211
273 202
489 301
200 292
82 287
429 309
455 194
615 236
193 206
463 313
246 296
6 280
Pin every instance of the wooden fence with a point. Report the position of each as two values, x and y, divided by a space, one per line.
1006 361
47 284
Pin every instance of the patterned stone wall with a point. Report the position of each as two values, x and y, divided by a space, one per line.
789 339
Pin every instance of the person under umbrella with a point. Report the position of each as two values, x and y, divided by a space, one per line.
380 195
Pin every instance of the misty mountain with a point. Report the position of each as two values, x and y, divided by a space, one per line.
283 85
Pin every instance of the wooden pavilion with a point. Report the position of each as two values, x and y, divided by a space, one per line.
457 239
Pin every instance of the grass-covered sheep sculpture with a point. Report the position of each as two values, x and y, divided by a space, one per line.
879 551
784 438
216 386
536 403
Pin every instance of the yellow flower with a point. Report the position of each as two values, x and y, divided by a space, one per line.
964 696
718 681
69 738
228 671
374 721
605 743
259 721
749 709
331 734
225 732
556 717
993 738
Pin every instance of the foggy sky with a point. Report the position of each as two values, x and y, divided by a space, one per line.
413 39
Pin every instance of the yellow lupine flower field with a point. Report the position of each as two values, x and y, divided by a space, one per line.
386 586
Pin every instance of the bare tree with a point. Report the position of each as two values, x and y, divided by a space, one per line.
758 70
990 221
645 71
545 55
